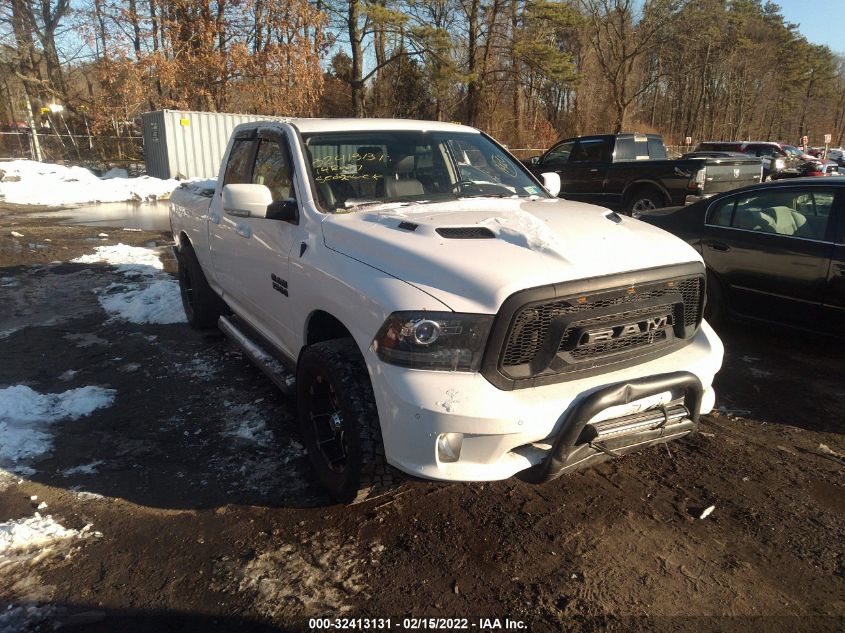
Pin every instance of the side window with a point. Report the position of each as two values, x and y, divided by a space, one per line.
656 149
590 151
558 155
273 169
237 169
722 213
790 212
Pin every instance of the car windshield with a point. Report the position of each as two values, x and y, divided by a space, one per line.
354 169
793 151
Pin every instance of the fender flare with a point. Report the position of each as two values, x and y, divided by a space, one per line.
643 184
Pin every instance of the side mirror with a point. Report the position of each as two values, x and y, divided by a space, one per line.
551 181
284 210
246 201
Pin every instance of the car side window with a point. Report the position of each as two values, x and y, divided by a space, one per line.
786 212
558 155
589 151
237 169
722 213
273 169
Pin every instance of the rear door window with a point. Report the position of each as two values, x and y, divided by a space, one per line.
593 150
786 212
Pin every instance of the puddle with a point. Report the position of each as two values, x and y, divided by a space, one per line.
147 216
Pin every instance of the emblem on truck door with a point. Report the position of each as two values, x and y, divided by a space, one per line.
651 324
279 284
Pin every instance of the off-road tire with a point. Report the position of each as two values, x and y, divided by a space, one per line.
203 307
338 366
644 199
714 303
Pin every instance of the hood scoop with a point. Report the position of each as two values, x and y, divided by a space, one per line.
466 233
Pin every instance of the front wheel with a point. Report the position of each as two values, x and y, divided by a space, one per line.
339 422
203 307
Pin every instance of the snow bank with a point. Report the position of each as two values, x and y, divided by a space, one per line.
34 532
31 182
154 296
26 416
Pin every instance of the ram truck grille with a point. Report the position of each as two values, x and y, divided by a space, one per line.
549 339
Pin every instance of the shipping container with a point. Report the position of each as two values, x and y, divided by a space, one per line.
184 144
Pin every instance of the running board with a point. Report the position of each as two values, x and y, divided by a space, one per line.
266 362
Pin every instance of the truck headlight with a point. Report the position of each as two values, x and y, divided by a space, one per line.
433 340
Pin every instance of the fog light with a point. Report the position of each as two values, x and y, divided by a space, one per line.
449 446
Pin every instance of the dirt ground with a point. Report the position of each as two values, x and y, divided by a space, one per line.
209 522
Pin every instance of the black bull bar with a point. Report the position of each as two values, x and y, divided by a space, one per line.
566 455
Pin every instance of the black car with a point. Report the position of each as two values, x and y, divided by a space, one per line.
774 251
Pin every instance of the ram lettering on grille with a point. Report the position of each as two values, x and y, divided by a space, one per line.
589 328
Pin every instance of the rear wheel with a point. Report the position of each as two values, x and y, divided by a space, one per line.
644 200
203 307
339 422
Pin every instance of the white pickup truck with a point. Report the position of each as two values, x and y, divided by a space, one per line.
436 309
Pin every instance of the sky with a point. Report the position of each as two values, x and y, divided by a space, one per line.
821 21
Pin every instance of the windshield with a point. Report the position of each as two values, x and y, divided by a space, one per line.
793 151
361 168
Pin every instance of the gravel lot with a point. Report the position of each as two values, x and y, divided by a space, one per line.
196 482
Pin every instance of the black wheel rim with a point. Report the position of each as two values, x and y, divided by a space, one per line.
327 425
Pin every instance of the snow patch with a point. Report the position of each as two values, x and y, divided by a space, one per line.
30 533
305 578
130 260
26 415
83 469
245 422
153 297
526 231
25 617
34 183
156 301
68 375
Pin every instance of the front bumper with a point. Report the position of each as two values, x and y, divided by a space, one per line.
498 434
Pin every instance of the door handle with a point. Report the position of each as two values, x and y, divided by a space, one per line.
718 246
594 171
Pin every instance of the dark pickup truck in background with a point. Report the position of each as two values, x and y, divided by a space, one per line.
631 172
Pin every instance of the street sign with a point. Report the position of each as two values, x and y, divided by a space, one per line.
687 140
827 139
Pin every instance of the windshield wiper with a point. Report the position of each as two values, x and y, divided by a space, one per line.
354 203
